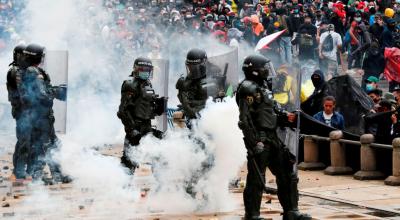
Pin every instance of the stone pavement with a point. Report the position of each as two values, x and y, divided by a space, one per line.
329 197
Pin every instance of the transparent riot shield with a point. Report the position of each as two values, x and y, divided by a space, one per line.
290 86
56 65
284 87
160 85
224 67
307 69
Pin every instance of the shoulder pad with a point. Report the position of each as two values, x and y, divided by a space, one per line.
12 72
180 83
247 87
12 75
128 86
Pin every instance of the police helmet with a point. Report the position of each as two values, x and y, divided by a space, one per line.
142 68
34 54
196 60
17 54
256 67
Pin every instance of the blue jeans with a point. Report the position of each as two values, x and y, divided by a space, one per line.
285 50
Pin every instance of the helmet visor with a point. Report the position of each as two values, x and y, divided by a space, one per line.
144 73
263 72
195 71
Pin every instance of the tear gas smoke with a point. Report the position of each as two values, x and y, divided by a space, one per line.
177 158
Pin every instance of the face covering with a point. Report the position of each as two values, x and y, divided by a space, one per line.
144 75
358 19
316 82
369 87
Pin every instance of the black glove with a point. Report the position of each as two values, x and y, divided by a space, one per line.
161 105
259 148
60 92
134 133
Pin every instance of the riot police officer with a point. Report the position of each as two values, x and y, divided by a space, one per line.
22 146
197 86
139 104
203 79
191 93
36 96
258 119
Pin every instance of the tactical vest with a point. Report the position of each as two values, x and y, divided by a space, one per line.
195 91
142 106
261 107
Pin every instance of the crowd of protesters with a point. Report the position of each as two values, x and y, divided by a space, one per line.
358 31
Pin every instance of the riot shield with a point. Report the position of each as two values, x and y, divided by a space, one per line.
160 85
284 87
56 65
290 86
224 68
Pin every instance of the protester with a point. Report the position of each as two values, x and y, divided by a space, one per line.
329 116
371 83
330 45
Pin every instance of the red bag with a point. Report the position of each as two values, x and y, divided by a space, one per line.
392 67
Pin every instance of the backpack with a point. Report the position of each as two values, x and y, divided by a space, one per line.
327 44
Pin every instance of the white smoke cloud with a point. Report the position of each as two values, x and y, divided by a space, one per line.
180 155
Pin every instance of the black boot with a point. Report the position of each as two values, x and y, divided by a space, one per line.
66 179
296 215
288 195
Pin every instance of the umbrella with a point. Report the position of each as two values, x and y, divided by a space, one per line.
265 41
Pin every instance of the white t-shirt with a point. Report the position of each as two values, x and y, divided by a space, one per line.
337 41
328 118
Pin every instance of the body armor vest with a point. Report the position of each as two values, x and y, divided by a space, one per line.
142 106
261 107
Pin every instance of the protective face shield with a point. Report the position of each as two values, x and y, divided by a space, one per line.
195 71
33 55
263 72
144 72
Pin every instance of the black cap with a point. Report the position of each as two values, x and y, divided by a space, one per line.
396 88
